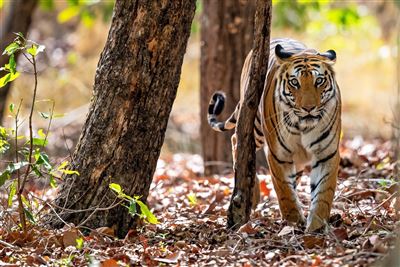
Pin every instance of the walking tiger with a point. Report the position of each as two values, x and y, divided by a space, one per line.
298 122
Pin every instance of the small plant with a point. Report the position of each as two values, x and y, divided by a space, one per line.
29 159
144 212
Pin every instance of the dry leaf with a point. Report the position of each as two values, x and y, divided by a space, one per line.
286 230
264 188
247 228
106 231
171 258
109 263
69 237
340 233
312 241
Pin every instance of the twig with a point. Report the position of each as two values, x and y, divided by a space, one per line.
28 169
55 212
385 201
368 226
366 191
83 210
8 244
49 125
95 210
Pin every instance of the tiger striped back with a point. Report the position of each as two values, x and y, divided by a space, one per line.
299 121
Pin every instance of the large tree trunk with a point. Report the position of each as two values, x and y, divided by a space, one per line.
135 86
18 20
245 167
226 38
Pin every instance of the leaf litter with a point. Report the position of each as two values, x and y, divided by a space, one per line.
191 210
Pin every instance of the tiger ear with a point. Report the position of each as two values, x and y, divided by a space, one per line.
281 54
330 55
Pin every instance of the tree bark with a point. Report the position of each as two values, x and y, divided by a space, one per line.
18 19
135 85
226 38
245 171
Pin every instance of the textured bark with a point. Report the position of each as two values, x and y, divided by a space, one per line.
19 19
135 86
227 35
245 170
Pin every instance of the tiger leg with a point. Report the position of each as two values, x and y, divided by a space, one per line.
323 184
284 180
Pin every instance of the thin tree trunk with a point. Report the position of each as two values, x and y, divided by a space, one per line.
135 86
19 19
245 171
226 38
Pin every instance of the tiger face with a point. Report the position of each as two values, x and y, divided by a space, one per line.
306 84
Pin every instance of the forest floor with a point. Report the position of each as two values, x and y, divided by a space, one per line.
192 209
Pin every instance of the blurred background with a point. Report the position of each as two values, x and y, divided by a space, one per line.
364 34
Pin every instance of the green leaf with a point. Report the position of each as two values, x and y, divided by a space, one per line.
147 213
79 243
53 182
192 199
25 201
68 13
12 167
132 207
11 107
116 187
36 170
35 49
4 145
9 77
41 133
43 159
13 191
63 165
12 65
39 141
30 216
4 176
70 172
11 48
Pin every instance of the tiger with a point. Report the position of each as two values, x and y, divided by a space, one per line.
298 123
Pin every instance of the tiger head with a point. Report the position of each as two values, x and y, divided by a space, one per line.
307 83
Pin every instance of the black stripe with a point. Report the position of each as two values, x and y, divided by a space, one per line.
320 192
258 118
314 186
278 160
324 159
258 131
322 136
277 130
279 137
289 125
330 141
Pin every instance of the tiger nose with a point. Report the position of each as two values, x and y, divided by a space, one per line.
308 108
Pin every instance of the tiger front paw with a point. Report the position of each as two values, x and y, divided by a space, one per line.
316 224
295 216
